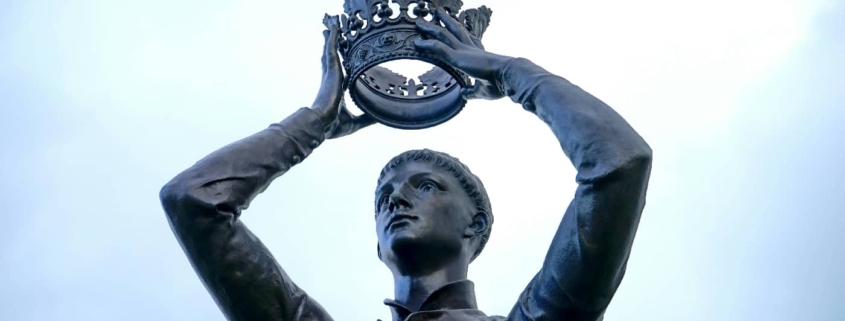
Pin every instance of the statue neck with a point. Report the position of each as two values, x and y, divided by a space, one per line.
412 290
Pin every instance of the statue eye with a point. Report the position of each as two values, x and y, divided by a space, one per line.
428 186
383 200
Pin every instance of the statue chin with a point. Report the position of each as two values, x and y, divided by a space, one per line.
414 253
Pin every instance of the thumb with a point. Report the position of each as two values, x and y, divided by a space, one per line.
476 42
433 46
363 121
323 61
472 92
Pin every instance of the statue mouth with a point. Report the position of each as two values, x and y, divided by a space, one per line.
399 219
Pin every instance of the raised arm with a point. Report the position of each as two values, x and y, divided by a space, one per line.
587 258
204 204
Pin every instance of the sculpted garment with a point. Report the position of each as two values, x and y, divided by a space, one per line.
581 272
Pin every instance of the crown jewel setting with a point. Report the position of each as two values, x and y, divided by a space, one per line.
374 33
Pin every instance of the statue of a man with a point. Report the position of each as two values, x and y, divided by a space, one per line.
433 215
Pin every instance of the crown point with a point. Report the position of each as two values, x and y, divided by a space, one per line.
421 11
385 12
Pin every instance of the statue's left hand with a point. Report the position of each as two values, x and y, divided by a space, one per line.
455 46
329 104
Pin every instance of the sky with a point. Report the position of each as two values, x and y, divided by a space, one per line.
105 101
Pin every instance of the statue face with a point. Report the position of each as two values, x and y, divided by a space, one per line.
423 215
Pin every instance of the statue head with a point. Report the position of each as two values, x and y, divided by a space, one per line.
431 211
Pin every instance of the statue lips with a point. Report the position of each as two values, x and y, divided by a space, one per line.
399 218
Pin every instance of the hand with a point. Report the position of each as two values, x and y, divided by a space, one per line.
329 104
455 46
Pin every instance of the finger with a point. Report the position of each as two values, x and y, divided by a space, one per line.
331 41
333 38
330 21
363 121
436 47
323 58
332 33
330 50
437 32
470 93
455 28
326 37
477 42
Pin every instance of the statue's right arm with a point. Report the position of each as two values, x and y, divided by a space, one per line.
204 204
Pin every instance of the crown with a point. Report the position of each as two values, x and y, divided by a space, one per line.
375 33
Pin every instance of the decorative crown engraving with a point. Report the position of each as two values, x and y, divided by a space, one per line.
378 31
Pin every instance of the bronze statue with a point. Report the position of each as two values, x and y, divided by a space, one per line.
432 214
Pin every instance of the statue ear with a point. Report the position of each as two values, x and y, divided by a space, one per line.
480 224
378 249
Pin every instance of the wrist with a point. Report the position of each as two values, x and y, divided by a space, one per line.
306 120
499 64
327 102
500 67
520 78
324 115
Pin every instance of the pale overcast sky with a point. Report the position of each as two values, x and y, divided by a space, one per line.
105 101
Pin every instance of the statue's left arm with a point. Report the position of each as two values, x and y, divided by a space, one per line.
589 252
587 258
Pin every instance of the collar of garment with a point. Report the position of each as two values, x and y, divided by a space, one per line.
458 295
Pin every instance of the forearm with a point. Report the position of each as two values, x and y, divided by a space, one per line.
229 178
596 139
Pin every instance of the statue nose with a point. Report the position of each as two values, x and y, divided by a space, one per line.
398 201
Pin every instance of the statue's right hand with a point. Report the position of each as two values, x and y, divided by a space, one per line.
329 104
454 45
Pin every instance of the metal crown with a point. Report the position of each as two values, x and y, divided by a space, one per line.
375 33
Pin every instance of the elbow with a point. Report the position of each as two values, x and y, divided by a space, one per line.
642 158
632 167
634 175
638 159
637 168
184 200
173 197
